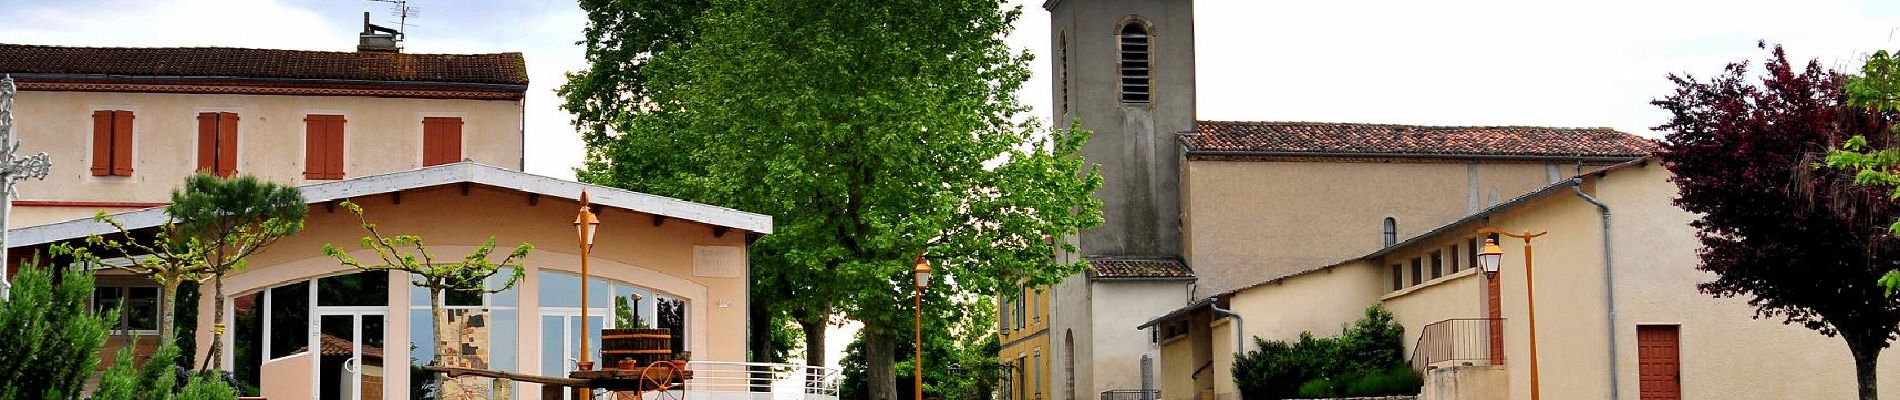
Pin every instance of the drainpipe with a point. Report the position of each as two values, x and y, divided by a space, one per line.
1609 283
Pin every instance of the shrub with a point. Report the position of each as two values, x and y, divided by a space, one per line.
1321 387
207 387
52 338
1394 380
153 381
1367 359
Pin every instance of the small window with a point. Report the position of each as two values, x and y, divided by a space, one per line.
1454 259
1438 265
1398 277
323 147
137 305
1135 73
1418 271
218 143
1062 70
441 140
1038 364
1471 251
111 143
1390 232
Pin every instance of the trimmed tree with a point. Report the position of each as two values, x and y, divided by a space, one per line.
1800 243
409 254
212 225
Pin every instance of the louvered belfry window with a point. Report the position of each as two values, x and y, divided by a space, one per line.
1135 73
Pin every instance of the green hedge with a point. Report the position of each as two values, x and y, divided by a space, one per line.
1366 360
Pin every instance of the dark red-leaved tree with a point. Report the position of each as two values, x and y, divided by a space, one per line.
1802 244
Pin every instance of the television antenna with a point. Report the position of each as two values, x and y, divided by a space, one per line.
402 11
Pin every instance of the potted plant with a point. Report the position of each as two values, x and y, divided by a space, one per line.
679 360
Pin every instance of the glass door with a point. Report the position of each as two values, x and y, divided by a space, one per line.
349 344
561 335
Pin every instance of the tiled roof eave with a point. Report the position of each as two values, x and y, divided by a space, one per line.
1492 156
35 77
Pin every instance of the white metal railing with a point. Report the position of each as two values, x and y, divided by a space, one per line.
729 380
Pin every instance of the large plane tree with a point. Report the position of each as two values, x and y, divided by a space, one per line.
872 132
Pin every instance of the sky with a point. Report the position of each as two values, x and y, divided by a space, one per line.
1453 62
1449 62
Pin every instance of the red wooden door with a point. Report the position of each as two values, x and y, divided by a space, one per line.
1659 362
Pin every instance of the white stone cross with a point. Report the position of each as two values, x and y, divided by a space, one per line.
13 168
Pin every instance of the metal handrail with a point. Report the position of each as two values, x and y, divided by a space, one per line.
750 377
1465 341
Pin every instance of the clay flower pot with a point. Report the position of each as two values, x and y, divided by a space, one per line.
627 363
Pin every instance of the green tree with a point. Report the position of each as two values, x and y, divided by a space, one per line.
231 219
212 226
409 254
1877 89
872 132
52 338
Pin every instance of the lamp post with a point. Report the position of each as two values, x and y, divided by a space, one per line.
923 278
585 225
1491 258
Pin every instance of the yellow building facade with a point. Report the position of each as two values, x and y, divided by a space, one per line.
1024 328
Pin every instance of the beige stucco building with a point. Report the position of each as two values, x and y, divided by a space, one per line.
681 265
1691 345
126 125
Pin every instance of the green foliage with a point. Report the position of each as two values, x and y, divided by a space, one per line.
52 339
213 224
408 253
626 316
872 132
1396 379
207 387
1876 88
1363 361
959 355
1318 388
153 381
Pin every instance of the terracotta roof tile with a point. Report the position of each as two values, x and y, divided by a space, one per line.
499 68
1243 137
1128 267
336 346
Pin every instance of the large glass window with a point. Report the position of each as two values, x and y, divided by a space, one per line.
484 329
610 304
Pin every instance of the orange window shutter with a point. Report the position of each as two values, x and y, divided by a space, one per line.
207 142
315 150
122 143
227 144
101 143
333 155
441 140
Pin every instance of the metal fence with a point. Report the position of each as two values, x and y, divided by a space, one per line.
1459 341
1131 394
717 380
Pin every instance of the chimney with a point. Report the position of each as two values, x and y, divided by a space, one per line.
376 38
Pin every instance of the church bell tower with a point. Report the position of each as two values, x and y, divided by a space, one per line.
1125 70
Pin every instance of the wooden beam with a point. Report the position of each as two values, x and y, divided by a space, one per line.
720 231
658 219
330 206
396 196
465 188
534 199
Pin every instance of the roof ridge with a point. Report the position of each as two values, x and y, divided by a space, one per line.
55 46
1370 124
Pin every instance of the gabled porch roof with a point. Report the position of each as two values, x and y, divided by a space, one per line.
461 172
